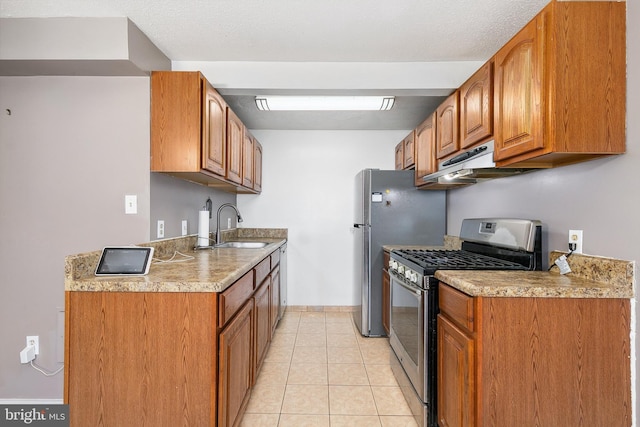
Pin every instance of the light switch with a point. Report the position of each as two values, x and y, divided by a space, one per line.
130 204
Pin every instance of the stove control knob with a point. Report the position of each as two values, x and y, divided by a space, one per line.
407 274
393 264
414 277
401 269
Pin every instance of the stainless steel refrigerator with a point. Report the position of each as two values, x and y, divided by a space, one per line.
389 211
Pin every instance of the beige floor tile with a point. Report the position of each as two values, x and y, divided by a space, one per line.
307 373
312 316
398 421
351 400
380 375
390 401
309 355
279 355
311 340
293 420
306 399
285 340
347 374
340 328
355 421
344 355
273 373
260 420
338 316
312 328
288 325
341 340
266 399
375 354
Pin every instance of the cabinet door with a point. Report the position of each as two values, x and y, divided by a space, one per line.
425 150
235 367
262 324
257 166
447 127
275 298
409 151
386 301
519 101
247 159
235 137
400 156
214 131
456 371
476 107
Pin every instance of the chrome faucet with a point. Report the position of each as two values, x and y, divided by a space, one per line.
225 205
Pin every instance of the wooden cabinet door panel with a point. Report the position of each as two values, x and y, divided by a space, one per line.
400 156
275 298
447 127
235 137
235 367
519 101
409 151
257 166
476 107
426 162
214 131
262 323
247 160
456 370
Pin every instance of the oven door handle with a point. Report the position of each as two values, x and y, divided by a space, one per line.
414 289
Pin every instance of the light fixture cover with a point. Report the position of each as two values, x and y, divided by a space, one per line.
324 103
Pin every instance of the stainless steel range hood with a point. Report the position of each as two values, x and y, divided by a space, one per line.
472 166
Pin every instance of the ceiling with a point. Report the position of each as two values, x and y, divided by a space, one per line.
321 32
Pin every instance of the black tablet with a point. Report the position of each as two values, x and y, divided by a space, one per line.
125 261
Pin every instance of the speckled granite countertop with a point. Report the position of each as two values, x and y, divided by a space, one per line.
208 270
591 277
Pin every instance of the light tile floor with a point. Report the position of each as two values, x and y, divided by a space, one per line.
320 371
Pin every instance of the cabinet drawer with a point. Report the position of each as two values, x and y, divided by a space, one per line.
262 270
233 298
275 258
456 305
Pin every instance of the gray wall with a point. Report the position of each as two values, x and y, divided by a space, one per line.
173 200
69 152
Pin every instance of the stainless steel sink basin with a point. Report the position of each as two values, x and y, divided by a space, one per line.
242 245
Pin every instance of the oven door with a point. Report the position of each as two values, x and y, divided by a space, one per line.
407 331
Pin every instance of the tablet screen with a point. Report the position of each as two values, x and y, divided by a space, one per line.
128 260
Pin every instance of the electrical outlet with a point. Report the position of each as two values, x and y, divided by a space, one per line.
34 340
575 238
185 228
160 229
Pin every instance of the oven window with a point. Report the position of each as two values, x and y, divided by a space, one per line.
405 318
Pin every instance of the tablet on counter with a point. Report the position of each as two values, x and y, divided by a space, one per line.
124 261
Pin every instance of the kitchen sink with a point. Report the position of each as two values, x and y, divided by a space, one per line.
242 245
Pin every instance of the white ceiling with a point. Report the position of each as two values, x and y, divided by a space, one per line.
318 31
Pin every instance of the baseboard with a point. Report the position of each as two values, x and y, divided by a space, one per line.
323 308
31 401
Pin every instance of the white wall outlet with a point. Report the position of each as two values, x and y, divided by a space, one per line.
160 229
575 238
34 340
130 204
185 228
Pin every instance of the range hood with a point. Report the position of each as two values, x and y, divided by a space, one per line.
472 166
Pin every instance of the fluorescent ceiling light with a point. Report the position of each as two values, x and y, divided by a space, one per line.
324 103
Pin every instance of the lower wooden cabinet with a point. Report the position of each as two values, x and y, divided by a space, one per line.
168 358
235 366
533 361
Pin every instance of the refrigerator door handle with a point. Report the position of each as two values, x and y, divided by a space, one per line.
361 225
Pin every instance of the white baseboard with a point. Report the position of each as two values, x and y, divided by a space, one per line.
31 401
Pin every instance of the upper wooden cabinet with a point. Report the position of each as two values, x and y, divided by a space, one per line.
195 135
560 87
476 107
400 156
405 152
447 141
257 166
425 142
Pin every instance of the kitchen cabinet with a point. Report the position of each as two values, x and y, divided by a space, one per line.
248 154
257 166
275 298
405 152
235 366
532 361
386 294
195 135
167 358
476 107
560 87
425 141
447 125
